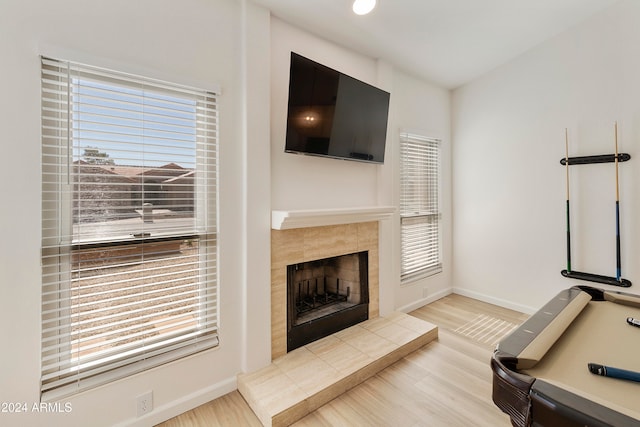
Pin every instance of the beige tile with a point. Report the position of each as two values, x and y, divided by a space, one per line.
278 312
374 287
308 371
386 360
367 371
374 266
374 324
324 396
279 288
271 396
270 392
348 333
279 347
397 334
419 342
345 358
279 277
295 359
413 323
287 247
367 235
255 379
324 242
323 345
290 415
395 316
316 377
368 342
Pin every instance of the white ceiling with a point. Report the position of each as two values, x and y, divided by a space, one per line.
448 42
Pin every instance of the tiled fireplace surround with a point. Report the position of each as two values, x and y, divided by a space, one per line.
300 245
301 381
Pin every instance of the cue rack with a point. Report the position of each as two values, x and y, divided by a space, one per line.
615 158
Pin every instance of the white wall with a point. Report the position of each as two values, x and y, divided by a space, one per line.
256 173
305 182
509 187
193 42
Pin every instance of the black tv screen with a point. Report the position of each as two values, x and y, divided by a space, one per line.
334 115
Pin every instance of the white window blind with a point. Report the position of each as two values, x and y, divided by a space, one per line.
129 248
419 209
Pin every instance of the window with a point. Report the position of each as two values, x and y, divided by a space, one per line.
419 211
129 249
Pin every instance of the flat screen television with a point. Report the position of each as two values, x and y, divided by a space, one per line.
334 115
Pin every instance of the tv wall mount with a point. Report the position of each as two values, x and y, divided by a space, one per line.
615 158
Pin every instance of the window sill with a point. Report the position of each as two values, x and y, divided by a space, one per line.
410 280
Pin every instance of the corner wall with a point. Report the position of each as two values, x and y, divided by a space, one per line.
508 185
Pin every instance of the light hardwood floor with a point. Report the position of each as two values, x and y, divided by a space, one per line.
445 383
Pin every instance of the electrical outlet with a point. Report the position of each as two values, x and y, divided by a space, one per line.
144 403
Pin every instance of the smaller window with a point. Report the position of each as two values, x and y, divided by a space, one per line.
419 206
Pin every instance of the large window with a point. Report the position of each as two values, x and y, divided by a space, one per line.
129 252
419 206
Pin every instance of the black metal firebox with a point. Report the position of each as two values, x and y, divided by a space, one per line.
325 296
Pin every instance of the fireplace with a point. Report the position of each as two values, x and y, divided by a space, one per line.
297 246
325 296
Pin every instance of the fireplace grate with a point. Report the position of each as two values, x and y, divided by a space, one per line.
316 298
325 296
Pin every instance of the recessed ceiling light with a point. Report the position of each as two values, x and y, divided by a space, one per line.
362 7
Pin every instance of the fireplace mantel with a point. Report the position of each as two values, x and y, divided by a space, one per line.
285 220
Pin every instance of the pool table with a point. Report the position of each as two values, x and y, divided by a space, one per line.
540 374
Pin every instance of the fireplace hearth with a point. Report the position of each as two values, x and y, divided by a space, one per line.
325 296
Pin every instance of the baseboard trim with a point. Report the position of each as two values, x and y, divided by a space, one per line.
467 293
495 301
424 301
184 404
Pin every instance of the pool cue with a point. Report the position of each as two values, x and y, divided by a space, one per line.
618 262
566 162
611 372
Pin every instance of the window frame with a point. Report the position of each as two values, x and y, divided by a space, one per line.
62 373
420 251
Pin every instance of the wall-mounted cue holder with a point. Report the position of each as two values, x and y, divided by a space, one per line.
601 158
606 280
585 160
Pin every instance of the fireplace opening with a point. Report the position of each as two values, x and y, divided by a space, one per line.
325 296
